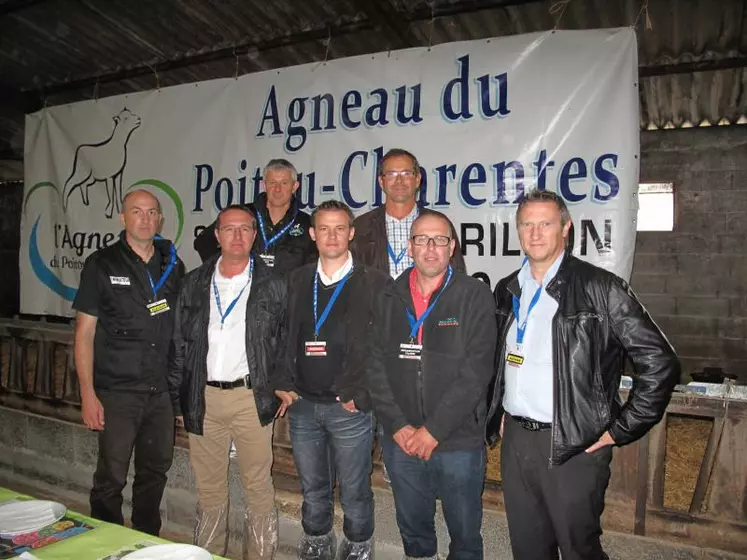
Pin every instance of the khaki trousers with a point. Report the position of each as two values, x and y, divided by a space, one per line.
231 414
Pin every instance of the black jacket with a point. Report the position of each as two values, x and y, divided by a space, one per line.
599 320
364 285
265 311
295 248
369 246
130 346
446 391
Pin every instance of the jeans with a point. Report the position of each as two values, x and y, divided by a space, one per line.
456 477
328 442
143 422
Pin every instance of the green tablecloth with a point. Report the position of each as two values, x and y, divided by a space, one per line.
101 541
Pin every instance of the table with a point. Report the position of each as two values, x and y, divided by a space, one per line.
103 540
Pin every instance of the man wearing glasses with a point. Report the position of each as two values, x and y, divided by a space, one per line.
431 362
382 234
227 324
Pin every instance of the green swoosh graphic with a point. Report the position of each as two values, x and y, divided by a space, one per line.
172 194
37 186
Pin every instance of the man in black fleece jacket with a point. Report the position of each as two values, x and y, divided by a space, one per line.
321 380
428 374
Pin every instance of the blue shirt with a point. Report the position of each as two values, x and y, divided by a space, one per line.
529 387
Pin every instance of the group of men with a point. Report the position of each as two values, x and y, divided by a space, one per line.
346 323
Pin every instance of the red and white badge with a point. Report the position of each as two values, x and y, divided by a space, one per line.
316 348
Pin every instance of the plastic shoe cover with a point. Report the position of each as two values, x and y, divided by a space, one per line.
261 536
211 529
322 547
356 550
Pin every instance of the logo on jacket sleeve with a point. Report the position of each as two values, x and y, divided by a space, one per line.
120 280
296 230
450 322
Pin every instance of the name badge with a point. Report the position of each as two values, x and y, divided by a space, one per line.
410 351
119 280
514 360
158 307
316 348
269 260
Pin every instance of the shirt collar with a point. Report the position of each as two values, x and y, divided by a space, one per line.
243 275
410 217
525 274
338 275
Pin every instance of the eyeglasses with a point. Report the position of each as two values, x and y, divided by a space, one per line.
391 176
231 230
424 240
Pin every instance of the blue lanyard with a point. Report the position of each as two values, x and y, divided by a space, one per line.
165 275
278 235
223 316
415 325
319 321
522 327
396 259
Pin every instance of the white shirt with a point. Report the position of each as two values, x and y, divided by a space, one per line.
398 233
529 388
226 357
336 276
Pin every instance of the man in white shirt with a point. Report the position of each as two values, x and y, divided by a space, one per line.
228 318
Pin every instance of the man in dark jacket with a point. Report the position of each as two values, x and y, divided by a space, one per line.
323 378
283 240
381 235
565 327
123 326
430 367
228 319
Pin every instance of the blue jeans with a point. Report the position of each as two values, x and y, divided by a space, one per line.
456 477
327 441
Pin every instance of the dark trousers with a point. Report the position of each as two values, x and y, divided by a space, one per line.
329 442
552 508
145 423
457 478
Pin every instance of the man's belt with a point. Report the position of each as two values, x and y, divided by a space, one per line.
241 382
532 425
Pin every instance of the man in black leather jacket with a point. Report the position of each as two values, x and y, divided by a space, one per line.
565 328
227 325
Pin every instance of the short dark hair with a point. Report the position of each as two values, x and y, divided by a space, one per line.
398 152
428 213
332 205
241 207
537 195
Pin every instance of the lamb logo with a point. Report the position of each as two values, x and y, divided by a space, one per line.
103 162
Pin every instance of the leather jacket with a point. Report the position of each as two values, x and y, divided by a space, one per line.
598 324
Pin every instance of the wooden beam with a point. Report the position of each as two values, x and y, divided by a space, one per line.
641 495
706 465
729 63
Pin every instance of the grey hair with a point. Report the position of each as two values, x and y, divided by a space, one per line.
536 195
280 164
332 205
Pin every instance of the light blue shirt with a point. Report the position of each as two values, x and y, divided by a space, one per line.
529 387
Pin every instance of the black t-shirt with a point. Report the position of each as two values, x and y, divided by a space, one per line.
316 374
90 289
131 345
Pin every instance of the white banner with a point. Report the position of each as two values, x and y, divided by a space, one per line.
487 119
